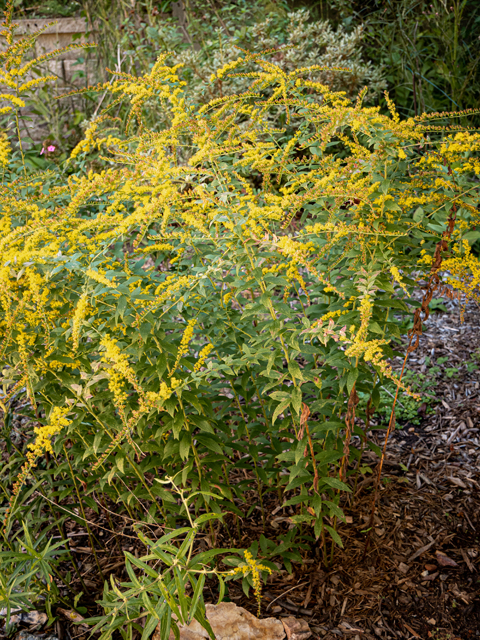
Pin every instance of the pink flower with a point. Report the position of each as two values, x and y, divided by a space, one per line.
42 151
51 148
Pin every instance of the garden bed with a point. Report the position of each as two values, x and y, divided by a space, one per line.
419 577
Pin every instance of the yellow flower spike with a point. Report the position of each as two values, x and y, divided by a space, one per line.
183 348
253 568
119 360
78 316
57 421
5 149
202 356
398 278
98 277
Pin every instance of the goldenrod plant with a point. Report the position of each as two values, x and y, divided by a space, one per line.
216 294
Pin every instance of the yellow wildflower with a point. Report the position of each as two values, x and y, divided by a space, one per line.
254 568
183 348
202 356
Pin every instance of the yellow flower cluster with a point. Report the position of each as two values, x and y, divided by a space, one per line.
253 568
463 271
42 444
398 278
5 149
119 361
56 422
183 348
99 277
116 384
202 356
78 316
229 66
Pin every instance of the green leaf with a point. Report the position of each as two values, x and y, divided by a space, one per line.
142 565
205 517
221 590
297 399
197 595
185 446
335 537
271 361
336 484
150 626
178 423
145 330
210 443
471 236
295 371
180 592
351 379
335 510
280 409
419 214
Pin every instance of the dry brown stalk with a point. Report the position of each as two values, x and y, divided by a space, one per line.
421 315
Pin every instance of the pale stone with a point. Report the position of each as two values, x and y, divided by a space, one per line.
230 622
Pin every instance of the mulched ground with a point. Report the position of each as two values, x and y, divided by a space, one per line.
419 577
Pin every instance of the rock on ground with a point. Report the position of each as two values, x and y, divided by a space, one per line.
230 622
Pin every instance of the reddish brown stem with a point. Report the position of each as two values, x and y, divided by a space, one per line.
414 338
350 423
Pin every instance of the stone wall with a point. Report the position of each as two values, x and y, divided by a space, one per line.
70 72
63 32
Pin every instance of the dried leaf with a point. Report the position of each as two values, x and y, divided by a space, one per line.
445 561
71 615
457 482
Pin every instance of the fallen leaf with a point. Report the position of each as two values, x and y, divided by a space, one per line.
457 482
348 628
71 615
445 561
431 576
467 560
